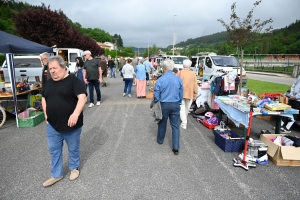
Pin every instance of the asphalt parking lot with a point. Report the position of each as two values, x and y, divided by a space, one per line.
120 159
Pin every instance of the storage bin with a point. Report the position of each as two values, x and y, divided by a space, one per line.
35 117
210 126
228 145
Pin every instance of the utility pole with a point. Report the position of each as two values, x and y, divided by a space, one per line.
173 34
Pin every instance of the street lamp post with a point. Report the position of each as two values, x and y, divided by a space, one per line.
255 57
116 39
173 34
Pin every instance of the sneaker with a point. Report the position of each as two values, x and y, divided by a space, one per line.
51 181
284 130
129 95
183 126
124 94
74 174
91 105
98 103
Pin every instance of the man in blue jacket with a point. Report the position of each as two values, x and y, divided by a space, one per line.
149 68
169 91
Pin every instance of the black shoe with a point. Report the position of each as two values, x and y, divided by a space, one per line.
297 122
200 110
159 142
196 116
175 151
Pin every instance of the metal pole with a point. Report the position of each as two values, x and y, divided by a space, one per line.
173 34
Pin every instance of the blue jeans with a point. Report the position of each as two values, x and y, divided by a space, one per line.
128 84
172 111
92 84
55 146
112 73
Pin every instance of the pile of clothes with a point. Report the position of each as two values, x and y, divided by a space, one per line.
286 140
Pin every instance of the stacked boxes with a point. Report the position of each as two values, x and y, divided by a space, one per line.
257 149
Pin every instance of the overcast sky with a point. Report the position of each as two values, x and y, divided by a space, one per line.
143 22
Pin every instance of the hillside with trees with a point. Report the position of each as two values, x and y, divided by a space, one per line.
51 27
280 41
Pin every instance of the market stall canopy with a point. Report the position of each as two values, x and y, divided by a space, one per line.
13 44
10 45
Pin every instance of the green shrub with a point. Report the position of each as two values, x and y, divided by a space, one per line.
2 58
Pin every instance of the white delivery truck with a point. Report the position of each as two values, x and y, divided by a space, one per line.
213 63
69 55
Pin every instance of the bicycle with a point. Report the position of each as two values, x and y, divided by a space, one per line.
2 115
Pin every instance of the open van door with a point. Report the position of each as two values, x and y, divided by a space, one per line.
72 55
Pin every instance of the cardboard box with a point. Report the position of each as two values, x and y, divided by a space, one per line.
281 155
149 95
233 124
268 117
283 99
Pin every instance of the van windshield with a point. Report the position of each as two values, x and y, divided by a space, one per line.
179 60
225 61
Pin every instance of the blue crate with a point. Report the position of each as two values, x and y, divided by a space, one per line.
228 145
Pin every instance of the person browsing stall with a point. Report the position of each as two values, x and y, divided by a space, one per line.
128 73
294 102
190 87
140 80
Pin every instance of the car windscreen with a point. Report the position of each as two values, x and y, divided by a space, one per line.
225 61
179 60
27 62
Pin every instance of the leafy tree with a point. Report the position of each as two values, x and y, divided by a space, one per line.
152 50
44 26
241 32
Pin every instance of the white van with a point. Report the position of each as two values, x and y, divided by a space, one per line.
196 66
69 55
178 60
213 63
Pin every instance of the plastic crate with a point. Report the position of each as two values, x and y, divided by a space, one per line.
35 117
228 145
210 126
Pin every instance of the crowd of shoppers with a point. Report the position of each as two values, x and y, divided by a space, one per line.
63 108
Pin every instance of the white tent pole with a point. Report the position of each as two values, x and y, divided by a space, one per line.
12 78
